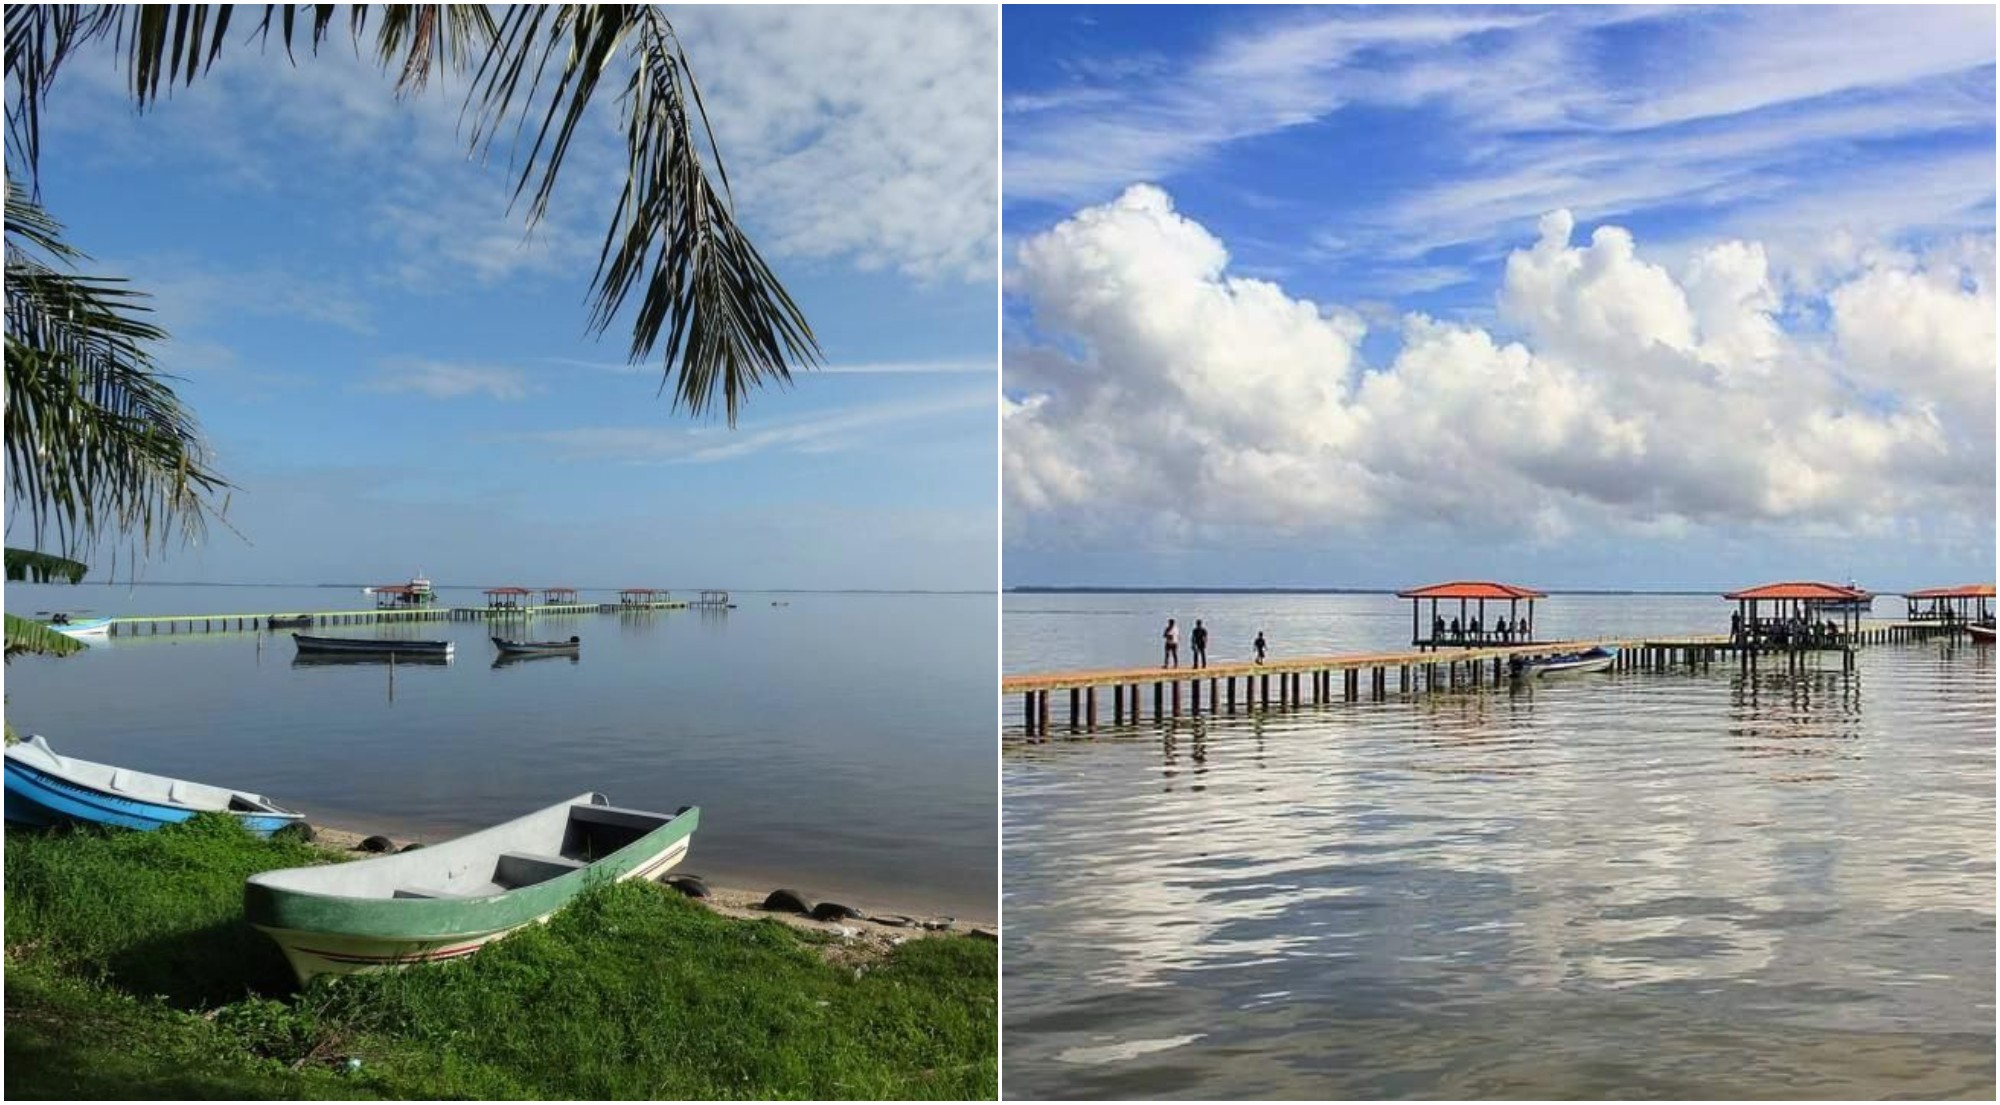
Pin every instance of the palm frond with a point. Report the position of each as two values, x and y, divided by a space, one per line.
707 302
729 326
96 440
30 566
37 639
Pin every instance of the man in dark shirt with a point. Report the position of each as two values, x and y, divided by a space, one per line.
1199 638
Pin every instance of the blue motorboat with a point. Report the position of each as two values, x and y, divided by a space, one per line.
1565 663
46 789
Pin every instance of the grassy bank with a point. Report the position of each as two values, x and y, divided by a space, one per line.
130 973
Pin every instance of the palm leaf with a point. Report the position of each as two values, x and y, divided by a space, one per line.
707 302
36 638
30 566
96 440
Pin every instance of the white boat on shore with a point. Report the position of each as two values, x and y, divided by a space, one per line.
449 900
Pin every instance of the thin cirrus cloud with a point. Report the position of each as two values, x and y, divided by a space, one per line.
449 379
1706 109
836 430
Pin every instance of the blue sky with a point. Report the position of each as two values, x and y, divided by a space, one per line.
1580 297
397 377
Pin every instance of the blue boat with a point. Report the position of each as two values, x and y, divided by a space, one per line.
1567 663
46 789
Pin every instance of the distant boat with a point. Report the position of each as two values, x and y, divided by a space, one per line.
377 646
289 621
417 592
537 648
46 789
1982 633
449 900
80 627
1593 659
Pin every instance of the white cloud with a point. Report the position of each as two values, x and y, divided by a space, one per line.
448 380
862 133
1165 396
1718 110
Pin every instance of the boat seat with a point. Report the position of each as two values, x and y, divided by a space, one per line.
614 815
121 779
177 791
527 868
426 892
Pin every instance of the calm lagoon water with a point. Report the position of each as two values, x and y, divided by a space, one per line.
840 743
1621 885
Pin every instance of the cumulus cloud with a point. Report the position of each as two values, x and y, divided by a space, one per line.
1153 391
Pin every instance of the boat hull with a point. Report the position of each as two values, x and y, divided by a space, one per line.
1983 634
363 646
536 648
43 798
88 627
1595 660
326 932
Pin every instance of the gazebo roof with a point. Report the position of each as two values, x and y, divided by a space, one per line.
508 591
1797 590
638 590
1472 589
1963 591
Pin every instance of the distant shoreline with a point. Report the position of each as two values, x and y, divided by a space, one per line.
479 586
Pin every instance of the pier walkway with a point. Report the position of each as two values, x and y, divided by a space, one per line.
1311 680
151 624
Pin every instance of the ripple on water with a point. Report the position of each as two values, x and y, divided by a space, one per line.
1685 884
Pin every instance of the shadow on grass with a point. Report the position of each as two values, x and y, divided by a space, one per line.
204 967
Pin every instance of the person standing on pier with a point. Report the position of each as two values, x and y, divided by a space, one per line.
1199 638
1172 637
1260 646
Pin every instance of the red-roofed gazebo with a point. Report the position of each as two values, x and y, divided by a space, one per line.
1470 627
506 598
1794 618
1967 603
637 596
558 595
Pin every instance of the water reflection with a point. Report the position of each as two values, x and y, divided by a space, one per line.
1678 884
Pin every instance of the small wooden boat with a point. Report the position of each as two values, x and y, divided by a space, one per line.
1567 663
537 648
46 789
289 621
373 645
80 627
451 899
1981 633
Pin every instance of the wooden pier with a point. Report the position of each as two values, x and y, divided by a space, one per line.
171 624
1320 680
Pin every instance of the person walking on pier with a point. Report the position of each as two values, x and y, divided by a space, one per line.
1199 639
1260 646
1172 637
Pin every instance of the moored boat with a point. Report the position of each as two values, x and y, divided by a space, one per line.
537 648
1981 633
376 646
451 899
80 627
44 788
289 621
1591 659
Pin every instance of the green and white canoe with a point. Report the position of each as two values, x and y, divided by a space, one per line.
449 900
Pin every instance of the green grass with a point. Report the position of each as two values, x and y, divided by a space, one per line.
131 974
